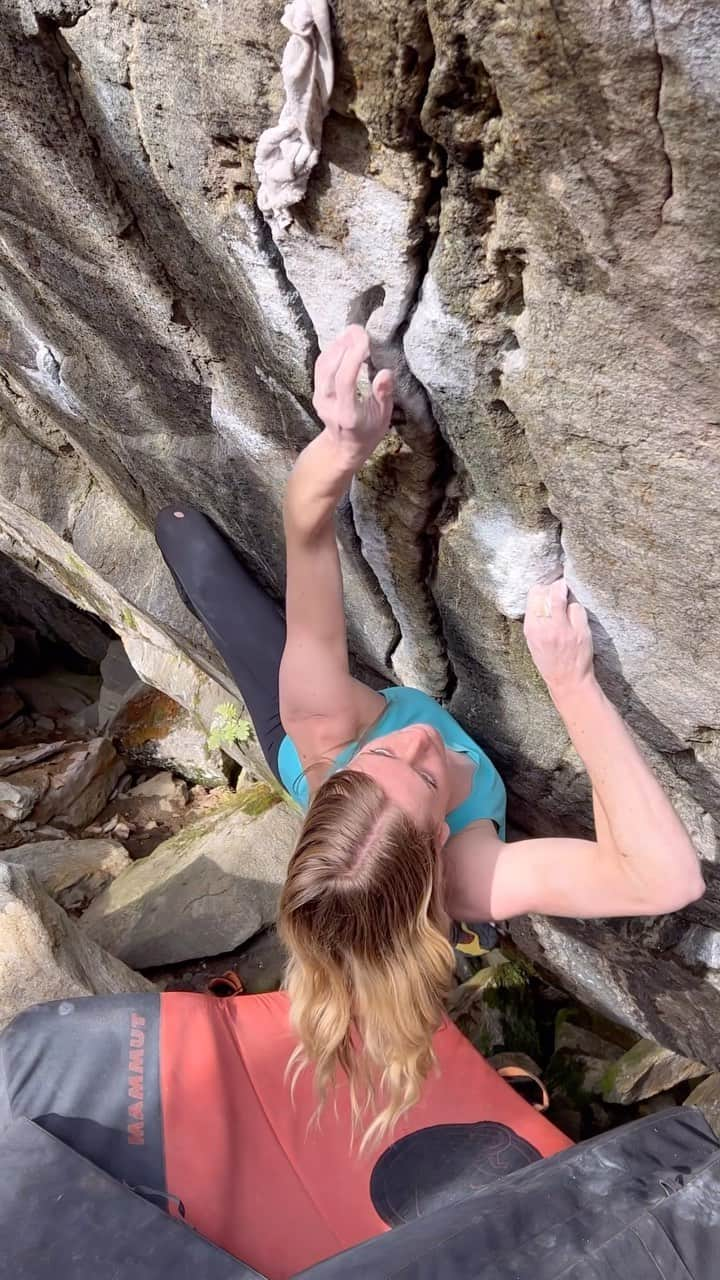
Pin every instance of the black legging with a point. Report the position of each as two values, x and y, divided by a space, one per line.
244 624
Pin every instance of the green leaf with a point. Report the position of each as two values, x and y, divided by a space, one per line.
228 727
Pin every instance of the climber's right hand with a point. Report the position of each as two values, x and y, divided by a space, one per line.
356 423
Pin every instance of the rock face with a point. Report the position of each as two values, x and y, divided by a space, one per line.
203 892
521 202
44 956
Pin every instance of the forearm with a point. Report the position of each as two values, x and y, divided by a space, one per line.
320 477
632 812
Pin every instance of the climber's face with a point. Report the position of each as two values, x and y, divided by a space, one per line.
411 766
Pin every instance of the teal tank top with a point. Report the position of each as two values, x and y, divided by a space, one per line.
406 707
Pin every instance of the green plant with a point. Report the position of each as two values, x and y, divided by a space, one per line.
228 727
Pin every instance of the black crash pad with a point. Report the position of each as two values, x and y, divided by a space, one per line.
639 1203
62 1218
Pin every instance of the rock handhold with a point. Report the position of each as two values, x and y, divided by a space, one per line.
43 954
154 731
205 891
645 1070
73 872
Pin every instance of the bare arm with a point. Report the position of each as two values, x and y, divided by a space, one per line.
321 705
642 861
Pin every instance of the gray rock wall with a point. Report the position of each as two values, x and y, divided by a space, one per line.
520 199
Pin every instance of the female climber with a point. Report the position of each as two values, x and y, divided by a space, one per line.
405 814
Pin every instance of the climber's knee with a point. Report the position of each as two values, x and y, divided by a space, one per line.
175 524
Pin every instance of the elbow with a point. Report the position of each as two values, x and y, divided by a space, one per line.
689 891
679 892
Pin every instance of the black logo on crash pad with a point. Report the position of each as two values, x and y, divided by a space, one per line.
441 1164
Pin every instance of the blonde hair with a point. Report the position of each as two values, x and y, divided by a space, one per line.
369 965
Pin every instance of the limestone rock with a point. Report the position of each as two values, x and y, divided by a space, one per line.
153 730
72 871
43 954
203 892
645 1070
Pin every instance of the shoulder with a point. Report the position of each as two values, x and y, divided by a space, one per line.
317 740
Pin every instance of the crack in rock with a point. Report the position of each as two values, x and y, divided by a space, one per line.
658 113
396 500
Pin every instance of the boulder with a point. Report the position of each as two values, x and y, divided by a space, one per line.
80 780
645 1070
619 973
203 892
154 731
20 793
162 786
706 1096
570 1038
72 871
43 954
59 694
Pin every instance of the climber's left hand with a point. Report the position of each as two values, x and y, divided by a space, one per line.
356 423
558 637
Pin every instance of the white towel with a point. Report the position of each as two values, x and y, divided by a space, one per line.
287 153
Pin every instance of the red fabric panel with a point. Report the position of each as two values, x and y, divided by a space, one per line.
253 1177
